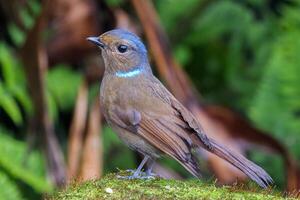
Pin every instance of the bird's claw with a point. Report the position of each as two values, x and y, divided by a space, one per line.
127 177
151 174
147 177
144 177
138 175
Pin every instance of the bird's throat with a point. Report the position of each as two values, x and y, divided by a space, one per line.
130 73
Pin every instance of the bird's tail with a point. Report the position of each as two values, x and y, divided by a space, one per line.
253 171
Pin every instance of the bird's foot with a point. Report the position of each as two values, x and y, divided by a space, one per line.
145 177
152 174
138 175
128 177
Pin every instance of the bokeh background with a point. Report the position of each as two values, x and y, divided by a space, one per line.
234 63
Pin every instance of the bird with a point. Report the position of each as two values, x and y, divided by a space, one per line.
148 118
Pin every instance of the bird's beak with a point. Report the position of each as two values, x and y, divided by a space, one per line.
96 41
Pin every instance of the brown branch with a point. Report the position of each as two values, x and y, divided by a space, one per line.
92 157
34 58
124 21
159 48
235 123
77 131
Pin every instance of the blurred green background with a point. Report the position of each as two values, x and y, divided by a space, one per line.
244 54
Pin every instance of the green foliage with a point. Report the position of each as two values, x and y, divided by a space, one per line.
114 3
276 106
27 18
227 43
9 189
16 34
62 84
24 175
272 164
110 187
18 165
172 12
13 86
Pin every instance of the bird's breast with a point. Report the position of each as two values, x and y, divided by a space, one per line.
139 93
117 92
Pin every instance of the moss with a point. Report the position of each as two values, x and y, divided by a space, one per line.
109 187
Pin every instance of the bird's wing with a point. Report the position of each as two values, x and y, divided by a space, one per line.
164 132
171 138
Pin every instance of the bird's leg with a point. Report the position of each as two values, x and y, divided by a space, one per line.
139 169
148 173
150 167
137 172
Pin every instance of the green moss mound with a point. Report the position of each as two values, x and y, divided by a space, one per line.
109 187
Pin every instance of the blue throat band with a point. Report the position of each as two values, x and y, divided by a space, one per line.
131 73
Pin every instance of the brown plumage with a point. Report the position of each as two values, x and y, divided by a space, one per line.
147 117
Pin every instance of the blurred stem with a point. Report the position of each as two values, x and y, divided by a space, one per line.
92 157
34 58
168 68
77 131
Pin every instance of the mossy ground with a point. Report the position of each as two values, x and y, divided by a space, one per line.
109 187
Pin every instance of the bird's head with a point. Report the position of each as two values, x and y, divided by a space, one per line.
121 50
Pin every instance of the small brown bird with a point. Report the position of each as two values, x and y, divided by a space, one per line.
147 117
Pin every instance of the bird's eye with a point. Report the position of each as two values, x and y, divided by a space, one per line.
122 48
